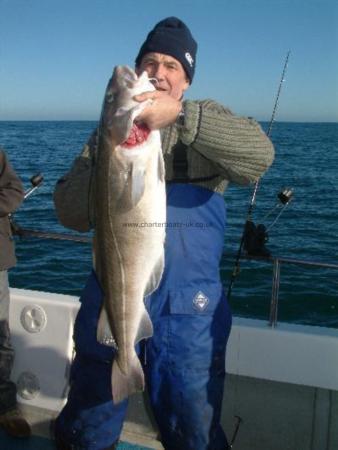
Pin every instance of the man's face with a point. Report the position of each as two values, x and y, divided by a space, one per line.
168 72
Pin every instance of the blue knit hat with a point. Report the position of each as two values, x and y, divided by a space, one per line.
172 37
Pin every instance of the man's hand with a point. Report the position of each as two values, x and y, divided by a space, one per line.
162 112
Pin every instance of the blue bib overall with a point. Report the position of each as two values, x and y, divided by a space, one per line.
184 361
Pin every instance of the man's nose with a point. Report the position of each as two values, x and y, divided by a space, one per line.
159 72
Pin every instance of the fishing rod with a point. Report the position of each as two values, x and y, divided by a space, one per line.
36 181
257 236
248 223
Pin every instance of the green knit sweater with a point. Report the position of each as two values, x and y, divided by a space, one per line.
219 143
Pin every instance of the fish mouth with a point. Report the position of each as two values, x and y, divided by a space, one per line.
139 133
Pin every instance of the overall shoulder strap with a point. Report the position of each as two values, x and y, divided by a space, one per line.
180 166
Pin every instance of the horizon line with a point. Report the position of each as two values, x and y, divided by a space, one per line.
97 120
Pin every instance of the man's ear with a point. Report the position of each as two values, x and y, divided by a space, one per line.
187 84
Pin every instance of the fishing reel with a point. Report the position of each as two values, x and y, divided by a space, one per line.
36 181
255 237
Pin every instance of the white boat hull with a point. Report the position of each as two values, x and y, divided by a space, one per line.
282 382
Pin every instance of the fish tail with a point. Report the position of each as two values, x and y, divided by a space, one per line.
123 384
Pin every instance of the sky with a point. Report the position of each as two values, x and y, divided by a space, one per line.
56 56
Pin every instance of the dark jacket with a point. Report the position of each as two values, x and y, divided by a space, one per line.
11 196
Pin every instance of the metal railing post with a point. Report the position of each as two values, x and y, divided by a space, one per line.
274 293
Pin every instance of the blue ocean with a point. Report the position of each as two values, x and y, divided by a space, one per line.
307 230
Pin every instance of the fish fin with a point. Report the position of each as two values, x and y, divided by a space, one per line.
145 328
155 276
132 191
104 334
124 385
160 167
137 184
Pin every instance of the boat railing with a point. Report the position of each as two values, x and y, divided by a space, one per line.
276 261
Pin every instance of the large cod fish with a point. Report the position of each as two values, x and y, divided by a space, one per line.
129 224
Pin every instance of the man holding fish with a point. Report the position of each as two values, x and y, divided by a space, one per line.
150 317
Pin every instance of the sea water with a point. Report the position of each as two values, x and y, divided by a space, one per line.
306 161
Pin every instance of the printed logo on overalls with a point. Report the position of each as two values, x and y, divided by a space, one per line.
200 301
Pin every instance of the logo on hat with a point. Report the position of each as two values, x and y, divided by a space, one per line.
189 58
200 301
